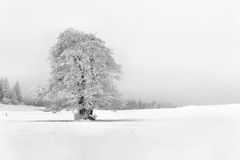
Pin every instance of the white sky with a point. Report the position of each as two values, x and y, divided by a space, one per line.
181 51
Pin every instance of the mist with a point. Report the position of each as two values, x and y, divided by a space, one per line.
183 52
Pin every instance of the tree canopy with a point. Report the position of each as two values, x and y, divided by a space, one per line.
83 72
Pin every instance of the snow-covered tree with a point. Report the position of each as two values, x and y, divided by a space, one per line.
17 93
83 72
14 99
1 89
6 89
38 93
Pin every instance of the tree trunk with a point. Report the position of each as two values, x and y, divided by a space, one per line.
84 113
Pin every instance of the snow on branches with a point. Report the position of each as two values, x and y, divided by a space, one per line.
83 72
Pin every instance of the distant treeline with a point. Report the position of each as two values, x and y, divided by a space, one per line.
10 95
126 104
33 102
138 104
13 95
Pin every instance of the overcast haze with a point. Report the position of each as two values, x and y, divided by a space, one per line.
179 51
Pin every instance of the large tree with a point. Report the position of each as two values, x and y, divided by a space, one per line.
83 72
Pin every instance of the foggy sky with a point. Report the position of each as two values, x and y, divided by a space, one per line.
179 51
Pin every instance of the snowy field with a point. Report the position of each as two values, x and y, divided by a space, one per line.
186 133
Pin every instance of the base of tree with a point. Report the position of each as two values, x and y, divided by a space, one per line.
84 114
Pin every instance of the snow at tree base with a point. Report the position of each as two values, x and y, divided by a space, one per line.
83 72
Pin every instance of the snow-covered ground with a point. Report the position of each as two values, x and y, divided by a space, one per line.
186 133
